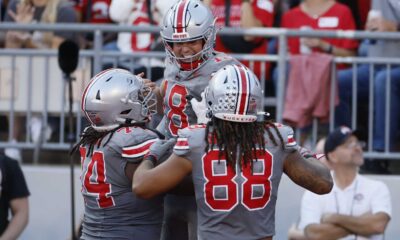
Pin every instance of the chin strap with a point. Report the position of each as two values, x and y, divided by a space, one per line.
188 66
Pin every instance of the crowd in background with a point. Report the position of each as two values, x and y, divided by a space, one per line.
376 15
292 14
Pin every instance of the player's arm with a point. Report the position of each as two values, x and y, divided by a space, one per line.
308 173
364 225
19 220
149 181
325 231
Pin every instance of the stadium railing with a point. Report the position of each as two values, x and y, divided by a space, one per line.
36 83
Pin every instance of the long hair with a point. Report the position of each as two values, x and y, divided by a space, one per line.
239 139
90 137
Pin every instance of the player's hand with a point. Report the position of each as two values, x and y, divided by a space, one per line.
306 153
200 108
159 150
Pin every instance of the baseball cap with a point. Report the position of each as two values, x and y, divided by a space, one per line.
337 137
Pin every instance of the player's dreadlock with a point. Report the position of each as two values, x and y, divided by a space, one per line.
228 136
92 137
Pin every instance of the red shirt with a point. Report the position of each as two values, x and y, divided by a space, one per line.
141 41
263 11
363 7
99 13
337 17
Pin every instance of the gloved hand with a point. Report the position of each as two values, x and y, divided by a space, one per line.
305 153
200 108
159 150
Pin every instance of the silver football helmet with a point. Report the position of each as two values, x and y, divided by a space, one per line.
189 20
116 96
234 94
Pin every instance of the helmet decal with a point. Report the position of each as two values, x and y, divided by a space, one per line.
234 94
180 22
243 86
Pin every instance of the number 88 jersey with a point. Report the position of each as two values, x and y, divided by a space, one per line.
240 203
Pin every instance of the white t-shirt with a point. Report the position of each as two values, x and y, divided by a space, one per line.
362 196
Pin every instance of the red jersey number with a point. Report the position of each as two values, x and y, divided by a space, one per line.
221 190
176 112
99 187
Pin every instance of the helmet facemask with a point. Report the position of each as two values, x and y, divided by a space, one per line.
198 23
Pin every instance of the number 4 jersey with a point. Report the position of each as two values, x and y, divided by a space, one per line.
235 204
111 209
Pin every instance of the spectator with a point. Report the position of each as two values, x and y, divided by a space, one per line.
137 13
236 162
14 195
321 15
96 12
118 105
30 12
356 206
385 18
244 14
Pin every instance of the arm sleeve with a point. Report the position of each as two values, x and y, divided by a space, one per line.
310 211
18 187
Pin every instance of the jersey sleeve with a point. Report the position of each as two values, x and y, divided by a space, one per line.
135 143
188 140
287 134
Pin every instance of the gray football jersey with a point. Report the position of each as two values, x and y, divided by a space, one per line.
111 208
235 204
178 112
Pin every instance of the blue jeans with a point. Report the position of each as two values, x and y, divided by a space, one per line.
343 110
380 93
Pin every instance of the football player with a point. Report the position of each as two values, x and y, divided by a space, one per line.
236 161
117 105
188 33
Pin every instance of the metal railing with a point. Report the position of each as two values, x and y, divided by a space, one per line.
96 54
